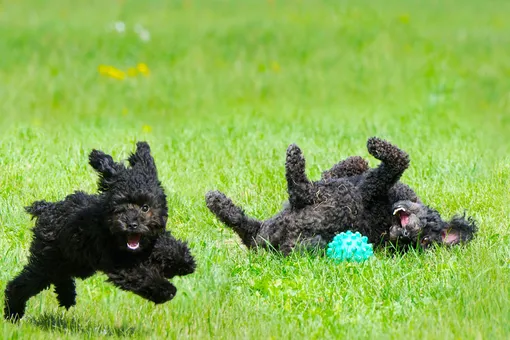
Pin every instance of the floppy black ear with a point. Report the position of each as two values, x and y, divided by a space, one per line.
105 166
142 156
459 230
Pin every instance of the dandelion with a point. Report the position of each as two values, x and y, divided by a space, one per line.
112 72
143 69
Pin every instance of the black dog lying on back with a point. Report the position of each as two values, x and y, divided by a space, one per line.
120 231
350 196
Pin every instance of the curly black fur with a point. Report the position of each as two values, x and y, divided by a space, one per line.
414 224
350 196
120 231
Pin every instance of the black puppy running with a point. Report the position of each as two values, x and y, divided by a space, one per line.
120 231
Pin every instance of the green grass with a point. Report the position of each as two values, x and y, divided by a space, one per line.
233 83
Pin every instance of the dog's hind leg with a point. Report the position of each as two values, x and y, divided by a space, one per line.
394 162
28 283
299 187
233 216
66 292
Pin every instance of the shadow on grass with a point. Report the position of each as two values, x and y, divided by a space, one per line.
60 323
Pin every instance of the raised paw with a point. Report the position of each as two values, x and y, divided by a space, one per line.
295 164
172 256
295 160
387 152
217 201
293 151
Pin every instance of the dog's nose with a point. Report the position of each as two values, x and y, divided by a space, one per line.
133 225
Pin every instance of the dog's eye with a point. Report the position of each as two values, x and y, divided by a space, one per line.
145 208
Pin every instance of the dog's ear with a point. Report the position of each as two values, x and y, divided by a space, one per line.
105 166
459 230
143 157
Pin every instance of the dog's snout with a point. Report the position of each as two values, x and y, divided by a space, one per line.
133 225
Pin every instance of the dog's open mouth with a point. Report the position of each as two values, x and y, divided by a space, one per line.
403 215
133 241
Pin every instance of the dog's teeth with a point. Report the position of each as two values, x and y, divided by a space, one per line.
133 246
397 210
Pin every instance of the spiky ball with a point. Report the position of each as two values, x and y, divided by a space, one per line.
349 246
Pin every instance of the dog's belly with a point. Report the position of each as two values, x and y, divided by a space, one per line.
73 269
313 226
83 273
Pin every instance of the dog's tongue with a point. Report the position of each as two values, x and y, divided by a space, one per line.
133 241
404 219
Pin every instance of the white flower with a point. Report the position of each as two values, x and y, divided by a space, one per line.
142 32
119 26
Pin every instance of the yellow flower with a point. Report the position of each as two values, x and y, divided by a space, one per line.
112 72
143 69
117 74
146 128
103 69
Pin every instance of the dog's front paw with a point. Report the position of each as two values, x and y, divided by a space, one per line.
172 257
161 293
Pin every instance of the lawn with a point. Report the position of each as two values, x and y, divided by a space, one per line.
221 89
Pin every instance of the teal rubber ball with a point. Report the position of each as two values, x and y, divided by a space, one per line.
350 247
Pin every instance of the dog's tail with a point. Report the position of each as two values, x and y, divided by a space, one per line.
233 216
37 208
